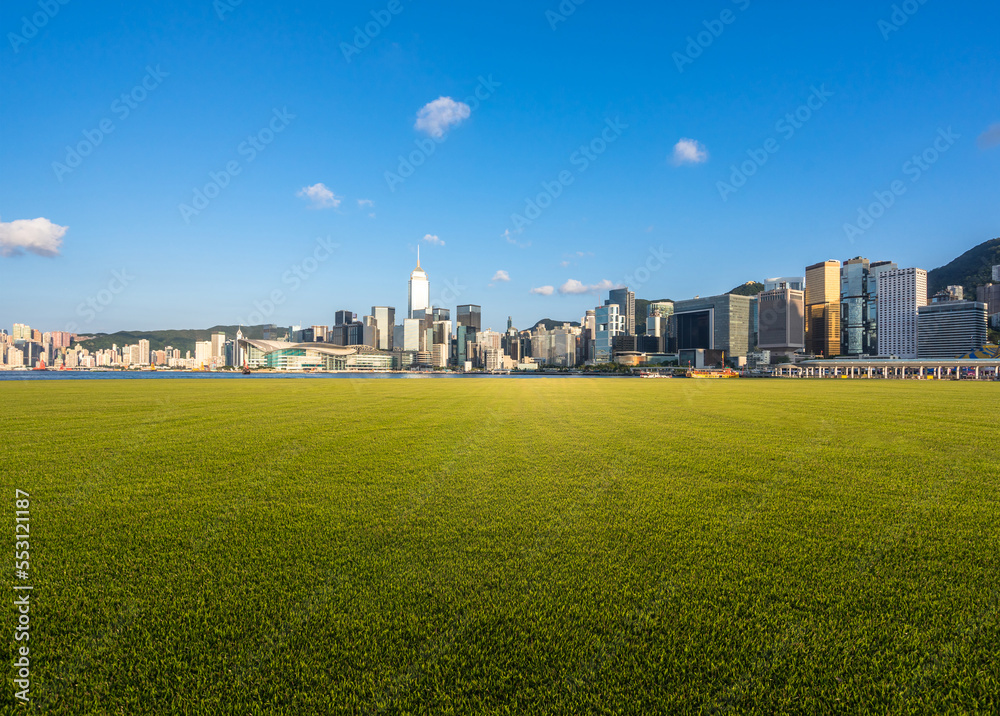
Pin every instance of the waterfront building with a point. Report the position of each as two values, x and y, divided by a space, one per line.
202 353
385 320
419 292
412 330
625 300
609 323
822 305
713 323
218 341
781 321
949 329
901 292
471 316
859 305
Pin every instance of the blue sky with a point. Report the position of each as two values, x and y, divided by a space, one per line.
672 102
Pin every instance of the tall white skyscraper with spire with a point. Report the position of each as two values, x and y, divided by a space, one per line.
420 291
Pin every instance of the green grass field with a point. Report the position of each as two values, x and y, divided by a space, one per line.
507 546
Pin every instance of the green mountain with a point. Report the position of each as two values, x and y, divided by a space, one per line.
971 269
750 288
182 340
550 324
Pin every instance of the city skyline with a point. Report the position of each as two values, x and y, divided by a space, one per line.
539 179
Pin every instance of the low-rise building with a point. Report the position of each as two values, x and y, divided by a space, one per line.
950 328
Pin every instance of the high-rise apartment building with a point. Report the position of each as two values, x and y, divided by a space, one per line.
901 292
203 352
419 293
990 295
471 316
626 307
822 304
143 352
22 332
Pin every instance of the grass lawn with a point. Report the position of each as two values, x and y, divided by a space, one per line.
507 545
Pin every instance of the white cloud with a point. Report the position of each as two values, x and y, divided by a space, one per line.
564 264
501 275
321 196
543 290
574 287
437 117
689 151
38 236
508 236
990 138
433 240
365 202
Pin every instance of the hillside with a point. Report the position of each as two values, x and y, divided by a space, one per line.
550 324
183 340
750 288
642 312
971 269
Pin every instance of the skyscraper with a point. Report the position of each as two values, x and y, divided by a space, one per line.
419 292
901 293
859 305
143 351
385 319
626 307
218 345
875 270
822 298
342 318
609 323
782 320
412 329
471 315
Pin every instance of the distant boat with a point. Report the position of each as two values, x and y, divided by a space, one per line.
41 366
711 373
